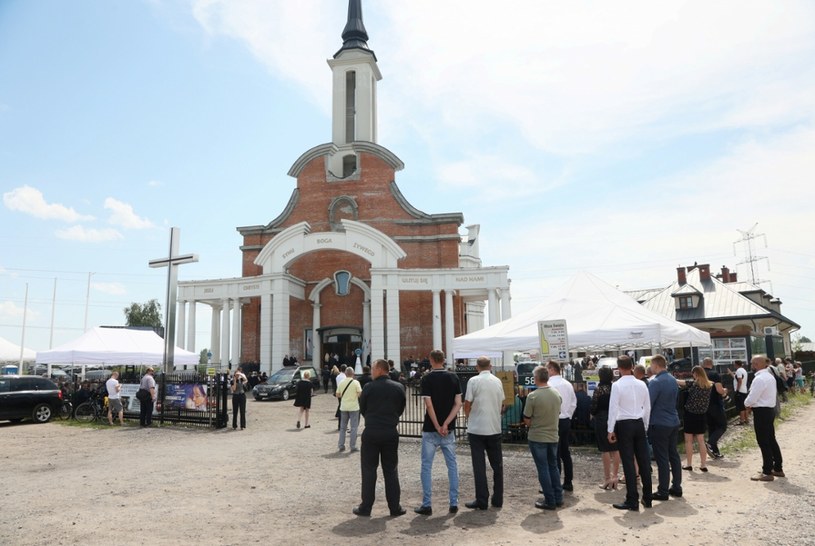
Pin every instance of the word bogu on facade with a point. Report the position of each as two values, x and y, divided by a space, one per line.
349 263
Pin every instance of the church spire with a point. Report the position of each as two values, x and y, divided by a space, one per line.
354 35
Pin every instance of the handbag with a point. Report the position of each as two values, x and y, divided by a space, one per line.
143 395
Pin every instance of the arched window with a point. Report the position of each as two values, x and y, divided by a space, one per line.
342 283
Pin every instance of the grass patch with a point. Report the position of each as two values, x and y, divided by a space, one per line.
741 438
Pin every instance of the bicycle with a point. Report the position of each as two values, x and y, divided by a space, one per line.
65 410
90 411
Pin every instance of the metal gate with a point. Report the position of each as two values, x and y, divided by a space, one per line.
189 397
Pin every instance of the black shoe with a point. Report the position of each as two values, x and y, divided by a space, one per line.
559 504
398 512
660 496
475 506
453 508
626 506
543 506
360 512
568 486
424 510
675 492
497 504
647 503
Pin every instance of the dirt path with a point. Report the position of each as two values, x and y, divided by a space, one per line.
272 482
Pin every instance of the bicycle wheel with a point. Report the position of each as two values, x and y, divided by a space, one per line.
65 411
85 412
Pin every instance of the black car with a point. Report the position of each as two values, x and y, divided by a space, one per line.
283 383
28 397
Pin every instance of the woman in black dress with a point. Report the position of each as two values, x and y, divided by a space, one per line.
302 400
599 408
695 415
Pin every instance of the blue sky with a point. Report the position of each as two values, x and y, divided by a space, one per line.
623 138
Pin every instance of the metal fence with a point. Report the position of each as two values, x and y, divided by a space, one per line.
187 397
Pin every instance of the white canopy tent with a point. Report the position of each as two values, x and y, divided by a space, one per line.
115 346
598 317
10 352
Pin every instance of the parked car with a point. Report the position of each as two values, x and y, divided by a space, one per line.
28 397
609 362
282 384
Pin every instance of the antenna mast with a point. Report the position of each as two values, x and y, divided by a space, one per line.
747 238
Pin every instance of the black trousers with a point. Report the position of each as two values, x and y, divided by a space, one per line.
632 444
491 445
669 465
146 413
239 406
764 424
716 425
564 455
380 446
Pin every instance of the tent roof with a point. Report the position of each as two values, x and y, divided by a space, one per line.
114 346
598 316
10 352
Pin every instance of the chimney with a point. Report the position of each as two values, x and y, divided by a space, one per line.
725 274
704 272
680 276
733 277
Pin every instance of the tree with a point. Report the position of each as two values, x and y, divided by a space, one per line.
797 341
202 356
148 314
805 339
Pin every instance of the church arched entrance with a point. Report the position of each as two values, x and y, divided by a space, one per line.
342 341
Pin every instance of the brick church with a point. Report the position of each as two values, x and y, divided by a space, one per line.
349 266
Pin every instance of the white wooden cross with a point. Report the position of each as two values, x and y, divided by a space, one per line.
171 263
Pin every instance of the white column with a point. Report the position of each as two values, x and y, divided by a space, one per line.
436 319
266 333
280 322
377 318
191 328
492 300
215 334
236 332
449 328
181 324
506 309
366 330
225 333
316 349
392 316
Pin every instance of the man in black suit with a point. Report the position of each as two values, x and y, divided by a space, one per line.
381 403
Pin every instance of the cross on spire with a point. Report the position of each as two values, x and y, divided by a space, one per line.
171 262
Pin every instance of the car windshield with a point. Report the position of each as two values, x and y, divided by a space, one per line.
280 377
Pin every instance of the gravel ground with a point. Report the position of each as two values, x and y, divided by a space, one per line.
273 482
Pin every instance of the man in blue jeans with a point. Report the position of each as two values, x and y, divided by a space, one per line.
663 430
541 415
441 392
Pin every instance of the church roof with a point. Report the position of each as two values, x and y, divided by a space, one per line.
354 35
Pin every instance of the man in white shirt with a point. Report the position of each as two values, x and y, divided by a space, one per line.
567 406
482 406
761 399
629 411
114 399
740 390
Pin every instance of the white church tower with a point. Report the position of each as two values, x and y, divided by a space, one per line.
355 74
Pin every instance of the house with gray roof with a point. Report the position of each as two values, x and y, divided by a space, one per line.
741 318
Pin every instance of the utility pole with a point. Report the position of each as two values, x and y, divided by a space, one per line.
747 238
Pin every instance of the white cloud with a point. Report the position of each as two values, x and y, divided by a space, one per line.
153 183
31 201
122 215
112 288
492 178
88 235
9 309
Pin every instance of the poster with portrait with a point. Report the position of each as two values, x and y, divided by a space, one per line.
192 396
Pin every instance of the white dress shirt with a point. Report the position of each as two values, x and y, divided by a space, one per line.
485 393
629 400
763 391
568 401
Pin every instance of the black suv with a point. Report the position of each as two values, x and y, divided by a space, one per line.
283 383
28 397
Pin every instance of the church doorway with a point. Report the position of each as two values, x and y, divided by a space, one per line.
342 341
